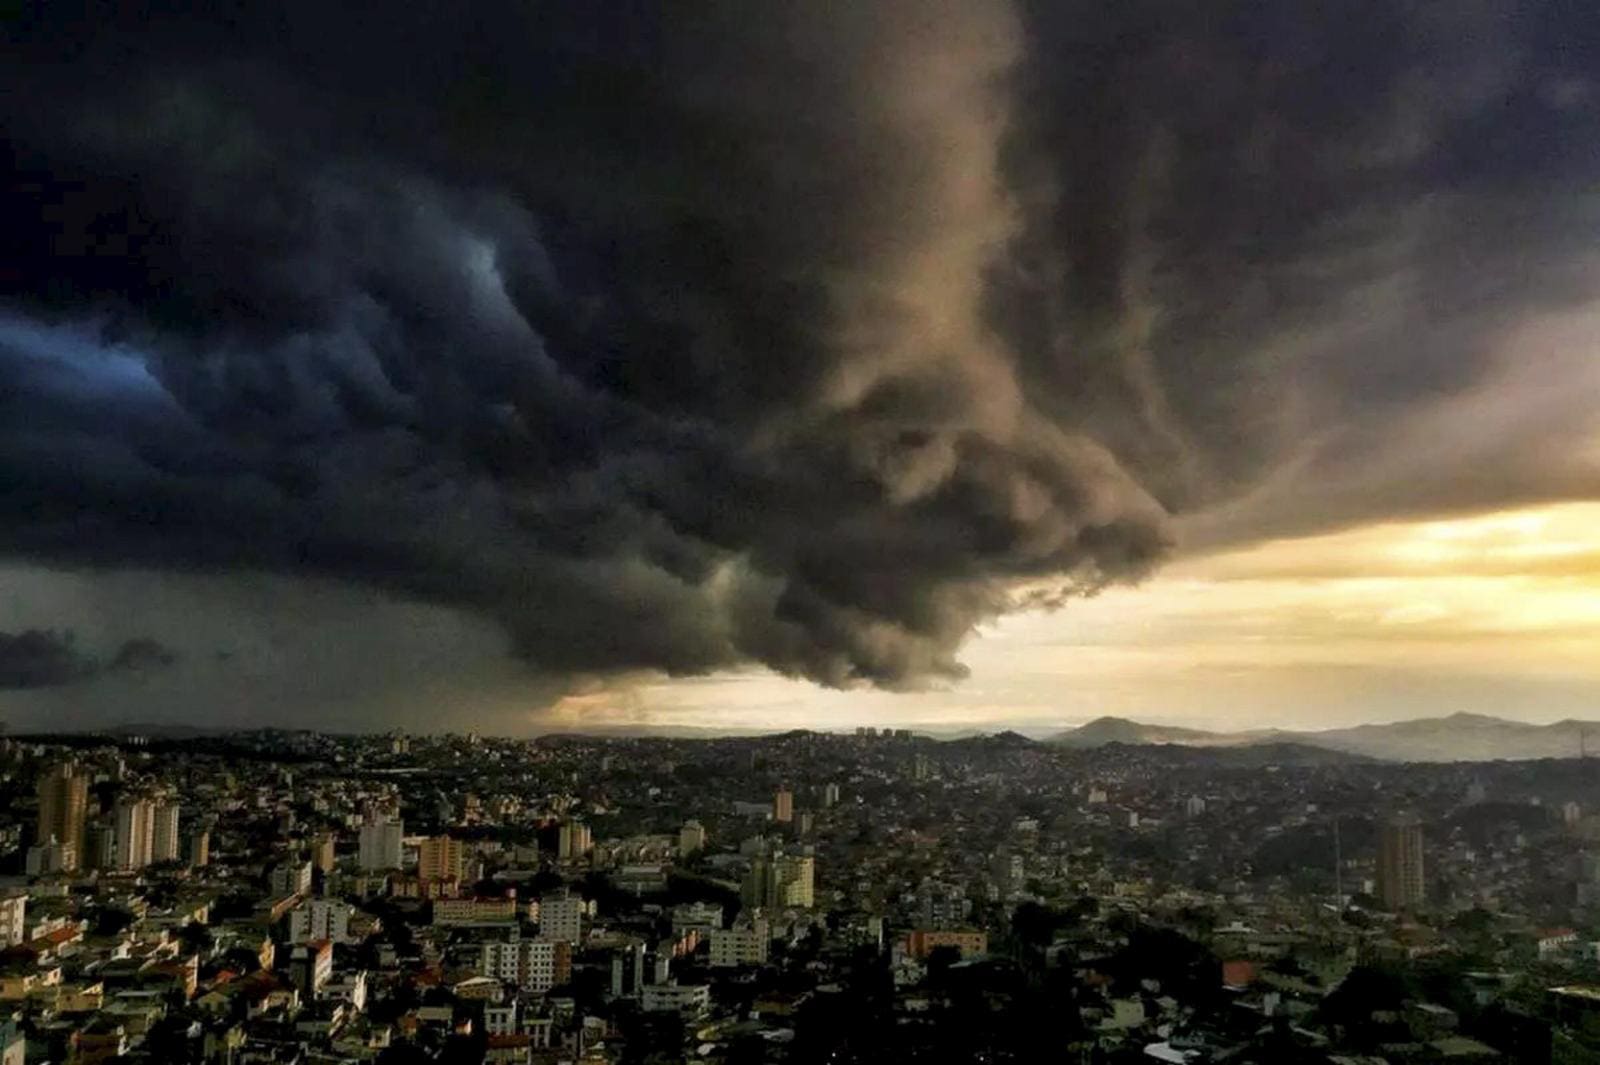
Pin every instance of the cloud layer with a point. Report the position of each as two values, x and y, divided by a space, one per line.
36 658
802 337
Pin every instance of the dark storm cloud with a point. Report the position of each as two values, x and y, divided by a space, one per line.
1260 233
37 658
800 336
141 654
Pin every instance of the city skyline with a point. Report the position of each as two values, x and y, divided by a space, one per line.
788 899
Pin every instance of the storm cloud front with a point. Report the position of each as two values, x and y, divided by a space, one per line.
686 338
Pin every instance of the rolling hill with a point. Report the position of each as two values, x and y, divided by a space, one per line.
1457 738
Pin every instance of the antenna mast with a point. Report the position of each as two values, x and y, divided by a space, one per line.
1338 867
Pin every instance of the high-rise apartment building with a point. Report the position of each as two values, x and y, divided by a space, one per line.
440 858
780 882
134 825
63 806
322 852
753 891
199 848
792 884
380 845
575 840
164 833
1400 875
100 846
783 806
691 838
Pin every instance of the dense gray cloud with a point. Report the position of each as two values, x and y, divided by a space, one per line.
1264 238
799 336
38 658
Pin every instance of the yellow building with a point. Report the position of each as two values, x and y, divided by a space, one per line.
921 943
63 805
440 858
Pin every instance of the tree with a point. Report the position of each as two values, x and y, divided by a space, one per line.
1365 990
404 1054
940 961
654 1039
196 938
1184 967
1034 926
168 1040
111 922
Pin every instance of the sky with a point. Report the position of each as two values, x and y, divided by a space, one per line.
936 364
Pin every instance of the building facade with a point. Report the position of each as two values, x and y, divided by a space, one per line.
441 858
561 918
134 822
63 807
13 920
528 963
746 943
1400 874
164 833
380 845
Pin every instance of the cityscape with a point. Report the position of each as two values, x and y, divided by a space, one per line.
296 897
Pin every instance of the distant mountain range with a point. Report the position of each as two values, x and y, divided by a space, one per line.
1457 738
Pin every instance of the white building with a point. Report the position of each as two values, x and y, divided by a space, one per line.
380 846
135 833
321 919
349 988
517 1017
501 1018
13 921
746 943
561 918
291 878
691 998
702 917
528 963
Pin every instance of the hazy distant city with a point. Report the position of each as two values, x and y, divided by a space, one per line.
1103 896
